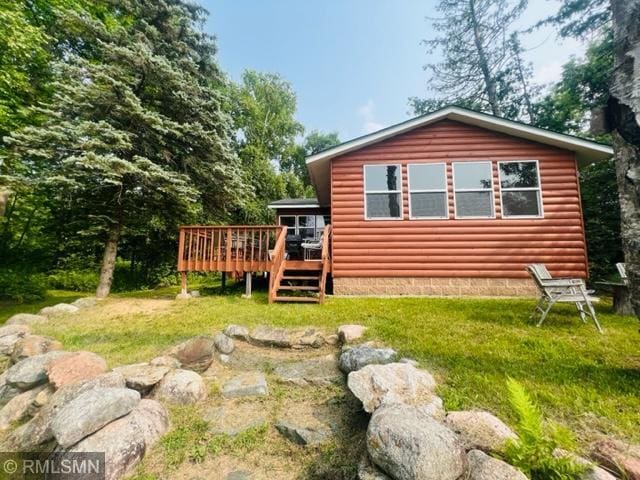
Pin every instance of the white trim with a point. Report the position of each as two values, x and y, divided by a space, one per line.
488 121
302 205
529 189
455 190
365 192
440 190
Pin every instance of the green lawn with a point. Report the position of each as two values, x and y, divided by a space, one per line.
586 381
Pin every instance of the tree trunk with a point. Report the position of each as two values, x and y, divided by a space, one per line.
490 87
623 112
109 261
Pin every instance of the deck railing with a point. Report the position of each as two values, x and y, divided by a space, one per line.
277 265
326 260
235 249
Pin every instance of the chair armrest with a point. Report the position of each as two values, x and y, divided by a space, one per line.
565 282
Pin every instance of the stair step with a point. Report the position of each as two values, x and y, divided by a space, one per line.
297 299
295 277
313 288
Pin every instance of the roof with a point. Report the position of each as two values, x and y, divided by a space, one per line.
586 151
295 203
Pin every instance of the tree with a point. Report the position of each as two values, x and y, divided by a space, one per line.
473 39
623 112
314 142
580 18
135 133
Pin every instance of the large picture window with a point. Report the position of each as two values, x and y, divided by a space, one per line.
520 189
428 191
383 192
473 189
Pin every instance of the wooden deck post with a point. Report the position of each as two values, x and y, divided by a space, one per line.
247 285
183 282
223 280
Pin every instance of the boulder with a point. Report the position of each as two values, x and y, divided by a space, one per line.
408 444
180 386
322 371
354 358
38 430
19 407
31 371
309 338
25 319
434 408
85 302
484 467
141 376
283 338
480 430
195 354
32 345
232 420
165 361
249 384
90 411
592 472
125 440
195 293
19 330
59 309
75 367
350 333
7 392
223 343
302 435
368 471
332 339
237 331
376 385
10 335
618 456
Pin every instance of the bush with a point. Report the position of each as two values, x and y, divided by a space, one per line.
22 287
533 452
75 280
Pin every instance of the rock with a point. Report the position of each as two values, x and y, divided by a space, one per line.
249 384
19 407
618 456
484 467
376 385
434 408
38 430
223 343
85 302
350 333
141 376
183 296
10 335
237 331
224 358
233 420
32 345
195 293
165 361
301 435
74 368
309 338
32 371
211 372
125 440
239 475
14 330
7 392
592 472
410 361
25 319
332 339
195 354
282 338
59 309
90 411
354 358
368 471
480 430
409 445
180 386
309 372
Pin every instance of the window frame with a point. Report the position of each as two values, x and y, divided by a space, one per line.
296 227
455 190
529 189
445 191
365 191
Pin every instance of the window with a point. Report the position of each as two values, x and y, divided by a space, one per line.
520 189
428 191
307 226
383 192
473 189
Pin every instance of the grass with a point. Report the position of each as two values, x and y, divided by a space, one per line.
580 378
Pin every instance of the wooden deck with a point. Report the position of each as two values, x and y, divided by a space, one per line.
246 249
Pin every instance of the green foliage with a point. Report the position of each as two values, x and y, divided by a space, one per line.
314 142
580 18
533 452
22 287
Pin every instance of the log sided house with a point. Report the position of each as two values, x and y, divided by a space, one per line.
455 202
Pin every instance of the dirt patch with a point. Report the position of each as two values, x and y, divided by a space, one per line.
117 307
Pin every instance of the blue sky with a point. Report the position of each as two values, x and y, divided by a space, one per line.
352 63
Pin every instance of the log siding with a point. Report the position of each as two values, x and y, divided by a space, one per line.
457 247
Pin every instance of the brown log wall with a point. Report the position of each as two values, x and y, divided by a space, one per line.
491 248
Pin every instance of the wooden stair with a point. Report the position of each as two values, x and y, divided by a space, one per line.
305 282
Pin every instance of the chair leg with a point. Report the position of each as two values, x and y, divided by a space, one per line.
593 315
545 312
581 311
537 308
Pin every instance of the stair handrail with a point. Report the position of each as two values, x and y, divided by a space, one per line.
277 265
326 259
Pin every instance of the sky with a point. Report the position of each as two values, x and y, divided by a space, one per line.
353 63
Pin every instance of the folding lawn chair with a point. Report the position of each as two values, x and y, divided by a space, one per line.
622 270
561 290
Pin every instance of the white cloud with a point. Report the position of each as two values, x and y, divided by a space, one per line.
367 113
547 73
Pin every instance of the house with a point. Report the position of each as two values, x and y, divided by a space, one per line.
455 202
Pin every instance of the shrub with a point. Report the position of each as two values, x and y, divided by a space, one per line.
533 452
21 286
75 280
